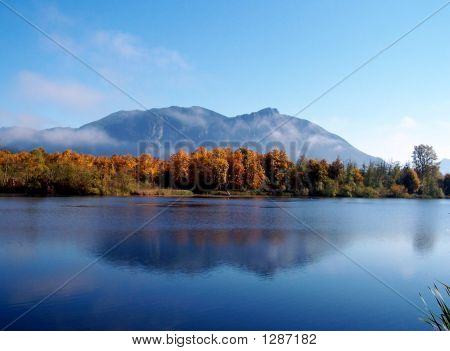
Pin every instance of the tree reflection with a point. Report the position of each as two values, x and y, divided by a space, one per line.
263 251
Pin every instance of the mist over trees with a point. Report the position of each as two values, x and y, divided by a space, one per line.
220 171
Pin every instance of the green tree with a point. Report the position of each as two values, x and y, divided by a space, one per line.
318 174
336 170
430 185
424 159
446 184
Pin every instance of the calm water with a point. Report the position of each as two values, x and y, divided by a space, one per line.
213 264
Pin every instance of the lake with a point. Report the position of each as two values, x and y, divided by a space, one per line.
219 264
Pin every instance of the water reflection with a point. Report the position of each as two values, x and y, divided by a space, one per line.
426 229
199 264
194 236
199 235
194 251
424 241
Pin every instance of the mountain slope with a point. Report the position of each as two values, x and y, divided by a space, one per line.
175 127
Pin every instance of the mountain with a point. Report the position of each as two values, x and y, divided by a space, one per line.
445 166
160 131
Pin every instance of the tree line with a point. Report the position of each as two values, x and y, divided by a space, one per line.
221 170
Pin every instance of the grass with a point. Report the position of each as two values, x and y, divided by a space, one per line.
440 320
143 191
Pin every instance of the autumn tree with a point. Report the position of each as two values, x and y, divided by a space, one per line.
236 169
179 169
409 179
219 167
254 172
104 174
147 169
276 166
219 170
354 174
7 171
200 169
164 176
71 173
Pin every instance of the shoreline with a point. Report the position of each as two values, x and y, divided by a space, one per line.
219 196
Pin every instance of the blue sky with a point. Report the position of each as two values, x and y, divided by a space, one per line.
235 57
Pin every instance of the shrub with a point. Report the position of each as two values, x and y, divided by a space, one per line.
398 190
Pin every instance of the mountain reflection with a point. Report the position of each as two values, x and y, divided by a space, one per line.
194 251
199 235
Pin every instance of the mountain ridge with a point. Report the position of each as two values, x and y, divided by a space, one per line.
125 132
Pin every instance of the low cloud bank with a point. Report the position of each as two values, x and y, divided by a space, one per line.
24 138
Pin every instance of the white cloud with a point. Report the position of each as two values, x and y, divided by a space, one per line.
14 135
165 57
122 44
146 72
117 50
125 46
145 69
69 94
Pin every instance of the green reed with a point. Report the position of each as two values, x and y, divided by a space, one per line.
438 320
